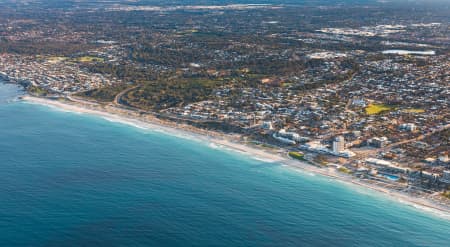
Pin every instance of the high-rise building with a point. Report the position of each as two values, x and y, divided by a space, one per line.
338 144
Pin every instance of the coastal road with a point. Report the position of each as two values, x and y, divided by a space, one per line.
117 99
119 103
80 100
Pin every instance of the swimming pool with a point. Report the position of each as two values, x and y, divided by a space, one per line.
390 177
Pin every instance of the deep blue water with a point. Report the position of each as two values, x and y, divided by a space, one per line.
77 180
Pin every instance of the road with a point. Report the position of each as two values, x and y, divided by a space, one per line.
421 137
117 99
371 152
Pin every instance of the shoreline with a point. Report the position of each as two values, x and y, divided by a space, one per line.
233 143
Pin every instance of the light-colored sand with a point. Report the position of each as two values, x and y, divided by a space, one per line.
233 143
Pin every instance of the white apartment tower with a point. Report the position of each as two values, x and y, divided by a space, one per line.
338 144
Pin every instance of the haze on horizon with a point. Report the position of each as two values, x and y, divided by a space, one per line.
68 3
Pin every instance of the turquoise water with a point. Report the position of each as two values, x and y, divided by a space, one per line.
77 180
391 177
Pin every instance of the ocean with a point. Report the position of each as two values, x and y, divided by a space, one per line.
69 179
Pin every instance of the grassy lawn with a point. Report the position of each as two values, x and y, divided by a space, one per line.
267 146
447 194
344 170
255 76
37 91
287 84
297 155
374 109
88 59
55 59
414 110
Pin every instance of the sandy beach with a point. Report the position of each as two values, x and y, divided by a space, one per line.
234 143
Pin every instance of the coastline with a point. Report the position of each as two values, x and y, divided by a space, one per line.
232 142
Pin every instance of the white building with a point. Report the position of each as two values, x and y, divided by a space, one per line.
378 142
386 164
316 147
292 136
283 139
408 127
443 157
338 144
